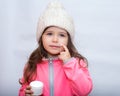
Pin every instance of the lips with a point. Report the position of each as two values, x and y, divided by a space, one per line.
54 46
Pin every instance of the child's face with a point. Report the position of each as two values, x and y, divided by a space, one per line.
52 39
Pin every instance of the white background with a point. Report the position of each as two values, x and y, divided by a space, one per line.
97 24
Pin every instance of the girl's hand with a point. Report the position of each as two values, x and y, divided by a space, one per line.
64 54
28 91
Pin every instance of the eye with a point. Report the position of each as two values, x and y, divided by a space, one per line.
63 35
49 33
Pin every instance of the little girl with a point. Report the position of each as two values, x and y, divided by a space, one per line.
56 62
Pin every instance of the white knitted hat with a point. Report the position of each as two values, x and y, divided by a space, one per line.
55 15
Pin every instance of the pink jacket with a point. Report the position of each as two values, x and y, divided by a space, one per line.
60 79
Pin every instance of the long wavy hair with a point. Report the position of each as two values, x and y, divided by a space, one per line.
39 53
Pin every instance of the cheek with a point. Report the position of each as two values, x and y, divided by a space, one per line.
64 42
44 41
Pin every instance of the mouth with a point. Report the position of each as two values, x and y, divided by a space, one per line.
55 46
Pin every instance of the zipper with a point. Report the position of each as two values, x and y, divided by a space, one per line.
51 77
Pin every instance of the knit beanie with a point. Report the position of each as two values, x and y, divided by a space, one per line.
55 15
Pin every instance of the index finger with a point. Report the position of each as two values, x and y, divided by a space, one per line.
65 48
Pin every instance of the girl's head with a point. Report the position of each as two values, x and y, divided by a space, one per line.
55 21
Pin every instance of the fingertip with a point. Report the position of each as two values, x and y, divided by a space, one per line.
63 45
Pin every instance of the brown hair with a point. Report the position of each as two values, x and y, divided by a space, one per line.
39 53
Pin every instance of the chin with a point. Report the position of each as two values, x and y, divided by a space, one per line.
54 54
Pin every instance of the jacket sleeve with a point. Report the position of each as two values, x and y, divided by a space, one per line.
78 76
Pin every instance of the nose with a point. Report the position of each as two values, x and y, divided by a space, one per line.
55 38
